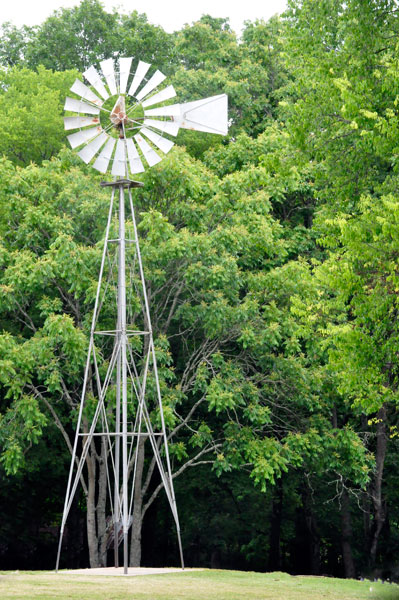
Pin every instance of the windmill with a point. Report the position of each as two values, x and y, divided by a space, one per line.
122 121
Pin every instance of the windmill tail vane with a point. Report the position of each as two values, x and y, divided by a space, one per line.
123 123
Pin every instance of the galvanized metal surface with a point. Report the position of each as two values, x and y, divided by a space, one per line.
125 137
123 439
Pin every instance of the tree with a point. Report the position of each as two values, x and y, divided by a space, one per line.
75 38
31 105
48 285
212 61
341 115
13 44
342 94
271 270
362 271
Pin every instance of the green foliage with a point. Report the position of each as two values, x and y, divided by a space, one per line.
345 93
274 335
31 106
46 279
13 43
72 38
362 271
213 62
77 37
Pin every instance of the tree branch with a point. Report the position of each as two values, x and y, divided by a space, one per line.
58 424
189 463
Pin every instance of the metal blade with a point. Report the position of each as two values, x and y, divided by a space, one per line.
107 67
139 75
89 151
103 159
173 110
119 162
135 164
80 107
166 126
149 154
85 92
161 142
78 138
151 84
209 114
75 122
93 77
165 94
124 70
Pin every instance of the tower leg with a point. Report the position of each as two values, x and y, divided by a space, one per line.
117 510
180 548
171 495
125 554
123 372
59 552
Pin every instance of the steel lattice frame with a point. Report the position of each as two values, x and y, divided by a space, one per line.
126 143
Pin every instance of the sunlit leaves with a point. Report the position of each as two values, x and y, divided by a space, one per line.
21 424
31 106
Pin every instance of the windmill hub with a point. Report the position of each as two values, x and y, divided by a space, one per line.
118 115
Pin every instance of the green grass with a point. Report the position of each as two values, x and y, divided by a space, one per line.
199 585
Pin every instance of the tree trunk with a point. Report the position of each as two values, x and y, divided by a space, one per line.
101 506
314 537
346 529
274 561
91 510
135 544
376 491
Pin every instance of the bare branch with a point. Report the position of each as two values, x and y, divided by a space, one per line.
192 462
187 418
58 423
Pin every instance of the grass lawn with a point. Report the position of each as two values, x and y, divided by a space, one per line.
199 585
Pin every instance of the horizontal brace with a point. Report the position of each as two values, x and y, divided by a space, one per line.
105 332
118 331
109 433
118 240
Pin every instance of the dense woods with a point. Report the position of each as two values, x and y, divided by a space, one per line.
272 260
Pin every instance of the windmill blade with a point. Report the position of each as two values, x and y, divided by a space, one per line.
119 162
165 94
80 89
78 138
135 164
157 139
139 75
166 126
124 70
151 84
93 77
76 122
149 153
91 149
107 67
80 107
103 159
209 114
173 110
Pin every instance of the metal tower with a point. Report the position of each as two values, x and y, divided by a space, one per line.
122 401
